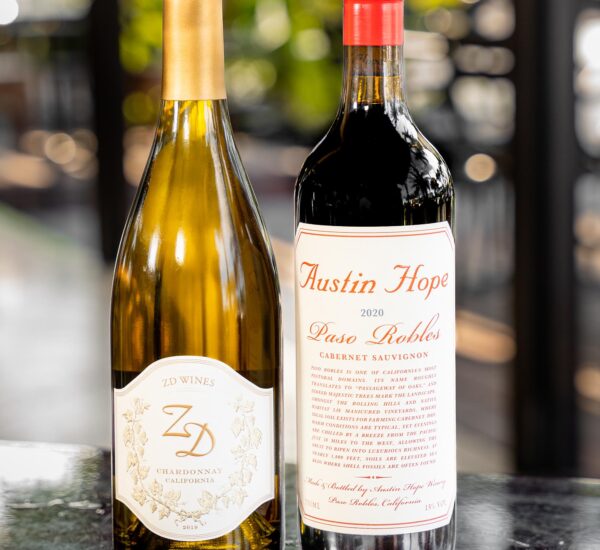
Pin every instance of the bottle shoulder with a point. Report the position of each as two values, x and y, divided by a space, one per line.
374 167
377 150
197 216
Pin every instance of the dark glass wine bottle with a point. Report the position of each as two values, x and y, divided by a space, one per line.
375 295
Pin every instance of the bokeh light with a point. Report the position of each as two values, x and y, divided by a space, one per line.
587 382
273 27
480 167
249 79
588 39
477 59
9 11
495 19
60 148
311 45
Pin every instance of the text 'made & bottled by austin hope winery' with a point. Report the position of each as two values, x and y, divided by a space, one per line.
375 316
196 324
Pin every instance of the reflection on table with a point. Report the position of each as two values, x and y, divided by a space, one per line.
58 497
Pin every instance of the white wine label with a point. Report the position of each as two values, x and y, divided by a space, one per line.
194 448
375 321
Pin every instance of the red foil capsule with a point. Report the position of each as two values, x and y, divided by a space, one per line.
373 22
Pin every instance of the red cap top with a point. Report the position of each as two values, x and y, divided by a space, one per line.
373 22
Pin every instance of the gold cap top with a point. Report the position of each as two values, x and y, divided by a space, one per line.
193 58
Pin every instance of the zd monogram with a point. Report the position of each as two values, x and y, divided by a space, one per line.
205 439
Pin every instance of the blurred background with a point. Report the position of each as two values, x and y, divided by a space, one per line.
509 92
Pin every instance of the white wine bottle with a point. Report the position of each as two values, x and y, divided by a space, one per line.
375 313
196 324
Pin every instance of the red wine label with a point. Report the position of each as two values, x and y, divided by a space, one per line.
373 22
375 323
194 448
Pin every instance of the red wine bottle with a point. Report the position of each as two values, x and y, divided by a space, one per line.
375 316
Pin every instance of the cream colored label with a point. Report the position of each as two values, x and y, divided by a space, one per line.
194 448
375 321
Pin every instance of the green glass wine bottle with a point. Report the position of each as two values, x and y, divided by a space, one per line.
196 324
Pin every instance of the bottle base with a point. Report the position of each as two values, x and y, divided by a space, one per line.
443 538
255 533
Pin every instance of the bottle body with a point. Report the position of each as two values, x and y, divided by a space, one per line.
196 329
375 319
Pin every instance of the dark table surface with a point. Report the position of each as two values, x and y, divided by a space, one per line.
58 497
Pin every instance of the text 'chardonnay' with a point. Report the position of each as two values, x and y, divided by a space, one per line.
196 324
375 319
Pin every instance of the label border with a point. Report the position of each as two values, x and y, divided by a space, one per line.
438 228
166 362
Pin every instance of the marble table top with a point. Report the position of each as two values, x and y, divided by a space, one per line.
58 497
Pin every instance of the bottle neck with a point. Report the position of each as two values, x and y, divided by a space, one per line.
192 121
373 53
193 57
373 75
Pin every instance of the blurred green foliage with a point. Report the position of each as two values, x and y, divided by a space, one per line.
141 34
426 5
283 56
